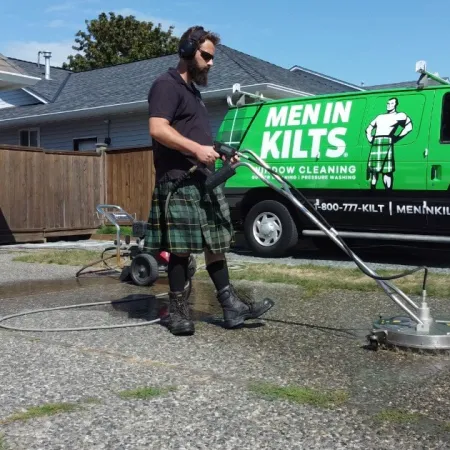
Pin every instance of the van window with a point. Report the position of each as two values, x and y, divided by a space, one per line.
445 125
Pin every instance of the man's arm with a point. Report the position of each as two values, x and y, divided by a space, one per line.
163 132
163 102
369 130
407 127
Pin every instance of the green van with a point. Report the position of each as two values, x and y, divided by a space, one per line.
375 164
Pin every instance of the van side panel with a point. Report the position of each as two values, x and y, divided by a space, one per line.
374 161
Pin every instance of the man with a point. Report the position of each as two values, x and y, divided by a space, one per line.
197 221
381 156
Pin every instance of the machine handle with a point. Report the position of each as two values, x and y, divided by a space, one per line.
114 216
219 177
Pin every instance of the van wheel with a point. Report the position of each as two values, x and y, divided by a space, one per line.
269 229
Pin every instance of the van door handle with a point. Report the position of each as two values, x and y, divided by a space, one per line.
435 172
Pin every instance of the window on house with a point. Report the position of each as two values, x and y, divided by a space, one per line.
29 137
85 144
445 125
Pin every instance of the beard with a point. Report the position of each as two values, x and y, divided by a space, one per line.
198 76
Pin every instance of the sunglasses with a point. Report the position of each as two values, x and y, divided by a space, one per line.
206 56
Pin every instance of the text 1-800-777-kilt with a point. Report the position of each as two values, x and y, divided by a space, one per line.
196 219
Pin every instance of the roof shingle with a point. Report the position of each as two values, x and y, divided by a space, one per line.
6 65
400 85
48 89
130 82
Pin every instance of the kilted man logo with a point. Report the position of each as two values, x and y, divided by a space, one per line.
381 156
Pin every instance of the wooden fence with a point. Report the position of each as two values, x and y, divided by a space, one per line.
130 180
48 193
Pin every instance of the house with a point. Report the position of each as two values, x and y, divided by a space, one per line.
311 78
65 110
13 77
404 84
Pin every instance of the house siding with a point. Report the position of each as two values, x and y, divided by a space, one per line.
125 130
17 97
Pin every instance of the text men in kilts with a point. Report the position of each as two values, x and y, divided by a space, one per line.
195 221
381 156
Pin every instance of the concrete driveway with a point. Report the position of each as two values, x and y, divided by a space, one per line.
220 389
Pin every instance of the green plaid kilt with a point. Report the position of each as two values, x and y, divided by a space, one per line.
381 156
196 219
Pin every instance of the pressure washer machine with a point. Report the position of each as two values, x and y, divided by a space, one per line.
131 259
417 330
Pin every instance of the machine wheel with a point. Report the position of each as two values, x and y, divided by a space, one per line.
269 229
144 270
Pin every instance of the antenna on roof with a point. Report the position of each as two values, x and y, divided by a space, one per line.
238 96
421 67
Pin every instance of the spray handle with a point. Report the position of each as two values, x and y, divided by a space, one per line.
224 150
219 177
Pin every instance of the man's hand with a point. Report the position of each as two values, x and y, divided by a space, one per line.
207 155
233 159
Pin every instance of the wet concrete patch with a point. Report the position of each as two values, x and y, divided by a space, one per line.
309 342
36 287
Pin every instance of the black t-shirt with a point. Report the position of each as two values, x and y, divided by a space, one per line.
181 104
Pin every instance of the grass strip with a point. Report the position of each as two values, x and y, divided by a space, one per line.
3 444
144 393
61 257
315 279
302 395
111 229
48 409
397 416
312 278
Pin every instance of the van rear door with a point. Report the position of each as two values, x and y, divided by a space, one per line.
438 171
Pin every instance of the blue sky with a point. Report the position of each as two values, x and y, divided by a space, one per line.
345 42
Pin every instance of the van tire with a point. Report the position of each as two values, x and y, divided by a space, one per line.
278 221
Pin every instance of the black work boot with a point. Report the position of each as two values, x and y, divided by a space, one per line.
237 310
179 321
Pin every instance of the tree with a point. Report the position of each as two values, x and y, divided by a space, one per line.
117 39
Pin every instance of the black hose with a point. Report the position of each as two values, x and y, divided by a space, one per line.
175 187
102 260
93 264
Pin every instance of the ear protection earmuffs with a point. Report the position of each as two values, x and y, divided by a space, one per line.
188 47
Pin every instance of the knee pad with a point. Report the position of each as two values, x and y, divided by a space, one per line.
175 260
